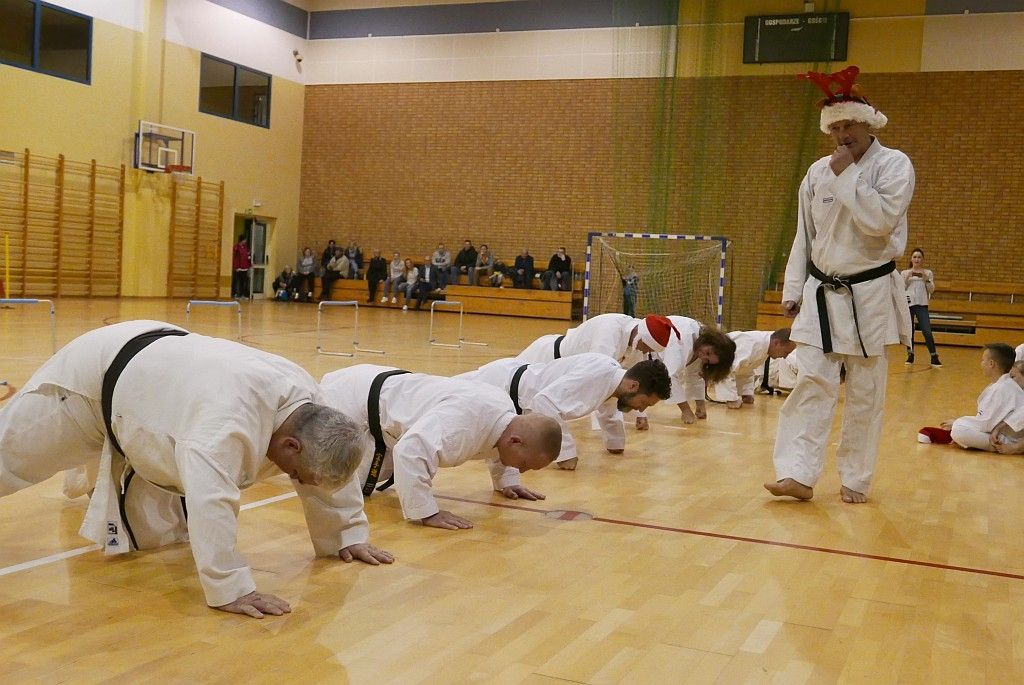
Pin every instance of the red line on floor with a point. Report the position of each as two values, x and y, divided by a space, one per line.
760 541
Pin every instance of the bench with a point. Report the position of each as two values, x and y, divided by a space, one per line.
482 299
963 313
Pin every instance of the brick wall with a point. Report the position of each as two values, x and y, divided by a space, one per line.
541 163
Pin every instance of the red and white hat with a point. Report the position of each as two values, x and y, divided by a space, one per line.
844 99
655 331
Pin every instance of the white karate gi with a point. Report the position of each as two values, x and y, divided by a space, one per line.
193 414
428 422
751 353
847 224
564 389
1020 353
997 403
55 422
606 334
683 368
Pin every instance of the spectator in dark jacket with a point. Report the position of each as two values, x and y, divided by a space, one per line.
464 261
522 270
559 273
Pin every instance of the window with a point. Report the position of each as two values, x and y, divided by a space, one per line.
232 91
41 37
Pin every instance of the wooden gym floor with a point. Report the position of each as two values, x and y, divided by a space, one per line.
689 572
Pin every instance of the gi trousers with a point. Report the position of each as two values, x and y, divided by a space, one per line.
805 420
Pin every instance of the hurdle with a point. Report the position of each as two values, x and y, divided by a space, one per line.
215 303
462 341
355 331
53 316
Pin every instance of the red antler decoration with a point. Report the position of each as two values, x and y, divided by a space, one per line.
839 85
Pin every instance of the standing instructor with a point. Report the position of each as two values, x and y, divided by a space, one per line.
847 298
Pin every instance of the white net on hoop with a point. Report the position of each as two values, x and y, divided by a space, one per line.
640 275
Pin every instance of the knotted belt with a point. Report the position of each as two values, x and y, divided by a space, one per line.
837 282
513 388
379 448
113 372
558 346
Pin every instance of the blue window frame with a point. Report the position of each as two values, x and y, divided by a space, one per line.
233 91
40 37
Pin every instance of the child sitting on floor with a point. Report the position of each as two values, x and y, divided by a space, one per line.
1008 436
997 401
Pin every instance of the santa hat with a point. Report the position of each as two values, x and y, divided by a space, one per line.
655 331
933 434
844 99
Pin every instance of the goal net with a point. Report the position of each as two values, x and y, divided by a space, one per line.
641 273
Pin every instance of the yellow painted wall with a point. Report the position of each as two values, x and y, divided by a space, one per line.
141 76
255 163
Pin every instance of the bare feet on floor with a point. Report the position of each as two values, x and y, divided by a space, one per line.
852 496
787 487
568 464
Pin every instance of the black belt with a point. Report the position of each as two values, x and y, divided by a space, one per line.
558 346
513 388
847 282
113 372
379 448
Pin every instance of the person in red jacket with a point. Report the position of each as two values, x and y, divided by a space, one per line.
240 263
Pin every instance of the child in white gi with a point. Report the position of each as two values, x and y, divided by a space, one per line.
1008 436
997 401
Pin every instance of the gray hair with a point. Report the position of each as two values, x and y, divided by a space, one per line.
331 443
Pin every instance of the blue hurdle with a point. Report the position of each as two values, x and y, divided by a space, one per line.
355 331
215 303
53 316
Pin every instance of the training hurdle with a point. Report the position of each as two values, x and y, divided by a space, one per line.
53 316
355 330
462 341
215 303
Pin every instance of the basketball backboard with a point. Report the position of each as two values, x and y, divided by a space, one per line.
164 148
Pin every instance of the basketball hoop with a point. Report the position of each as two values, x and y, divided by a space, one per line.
178 170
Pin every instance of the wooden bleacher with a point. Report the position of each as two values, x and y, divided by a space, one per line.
482 299
963 313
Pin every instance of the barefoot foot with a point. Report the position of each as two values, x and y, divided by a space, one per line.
787 487
568 464
852 496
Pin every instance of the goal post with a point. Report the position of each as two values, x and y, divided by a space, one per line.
651 273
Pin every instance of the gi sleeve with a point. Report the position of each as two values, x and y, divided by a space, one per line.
800 252
876 210
613 430
212 497
335 519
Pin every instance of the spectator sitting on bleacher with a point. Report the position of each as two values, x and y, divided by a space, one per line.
442 259
306 276
429 279
284 285
337 269
412 275
326 257
396 274
522 270
376 270
559 273
355 260
464 261
999 400
484 262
